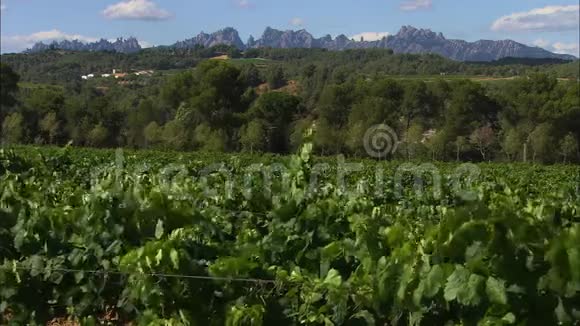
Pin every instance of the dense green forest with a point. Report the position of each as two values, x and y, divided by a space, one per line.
56 66
263 100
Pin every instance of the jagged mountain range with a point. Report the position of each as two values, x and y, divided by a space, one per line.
129 45
408 40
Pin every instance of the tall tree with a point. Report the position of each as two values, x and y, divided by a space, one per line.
416 101
8 87
137 119
152 134
412 142
98 136
513 143
175 135
13 129
542 141
568 147
483 139
469 107
461 145
215 96
276 78
250 75
209 140
277 111
51 127
253 136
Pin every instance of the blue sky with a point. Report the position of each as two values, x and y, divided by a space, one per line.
549 24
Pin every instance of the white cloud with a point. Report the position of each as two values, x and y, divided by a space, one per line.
541 43
297 22
370 36
558 47
18 43
244 4
567 48
136 10
550 18
145 44
2 6
412 5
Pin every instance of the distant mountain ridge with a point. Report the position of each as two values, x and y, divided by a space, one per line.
226 36
408 40
121 45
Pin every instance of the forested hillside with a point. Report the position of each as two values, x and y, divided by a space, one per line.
56 66
263 99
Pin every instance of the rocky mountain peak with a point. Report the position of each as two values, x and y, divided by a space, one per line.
412 33
226 36
251 41
121 45
409 39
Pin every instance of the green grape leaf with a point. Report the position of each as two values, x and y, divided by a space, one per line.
174 256
496 291
333 278
159 230
509 318
37 265
561 313
366 316
574 261
159 257
463 287
434 281
456 283
415 318
516 289
470 296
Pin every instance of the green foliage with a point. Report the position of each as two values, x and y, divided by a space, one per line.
152 134
251 75
276 77
224 98
209 140
276 111
97 137
155 239
13 129
175 135
569 146
50 125
253 136
542 141
8 87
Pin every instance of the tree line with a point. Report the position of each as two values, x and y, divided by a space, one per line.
66 68
224 107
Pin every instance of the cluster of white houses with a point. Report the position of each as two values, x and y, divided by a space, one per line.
116 74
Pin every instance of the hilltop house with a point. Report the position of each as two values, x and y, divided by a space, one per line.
117 74
144 73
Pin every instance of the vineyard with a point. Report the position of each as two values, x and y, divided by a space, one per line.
160 238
